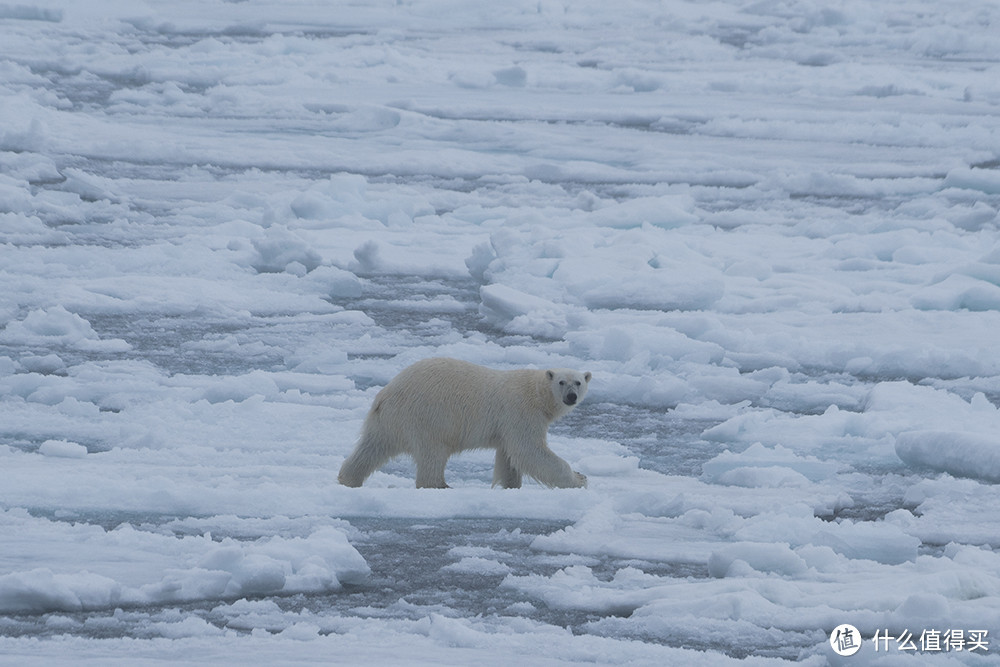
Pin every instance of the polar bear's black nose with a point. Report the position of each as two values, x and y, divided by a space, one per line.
570 399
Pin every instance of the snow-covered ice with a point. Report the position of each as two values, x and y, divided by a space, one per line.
768 228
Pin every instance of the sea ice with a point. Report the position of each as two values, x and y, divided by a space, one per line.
768 229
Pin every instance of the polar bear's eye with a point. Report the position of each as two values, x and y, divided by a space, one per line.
562 383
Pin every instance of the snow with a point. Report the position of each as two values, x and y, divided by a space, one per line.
62 448
769 229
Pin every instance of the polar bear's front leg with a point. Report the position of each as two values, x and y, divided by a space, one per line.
537 460
505 474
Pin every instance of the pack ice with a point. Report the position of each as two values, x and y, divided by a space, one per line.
769 230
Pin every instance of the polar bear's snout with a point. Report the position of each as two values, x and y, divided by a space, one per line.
570 398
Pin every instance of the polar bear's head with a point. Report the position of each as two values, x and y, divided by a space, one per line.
568 386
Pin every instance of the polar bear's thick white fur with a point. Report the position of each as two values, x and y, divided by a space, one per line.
439 407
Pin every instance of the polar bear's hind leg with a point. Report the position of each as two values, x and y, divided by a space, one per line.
430 469
372 452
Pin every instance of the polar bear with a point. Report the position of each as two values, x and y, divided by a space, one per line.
439 407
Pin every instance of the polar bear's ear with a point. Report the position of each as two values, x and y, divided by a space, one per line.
550 375
586 376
